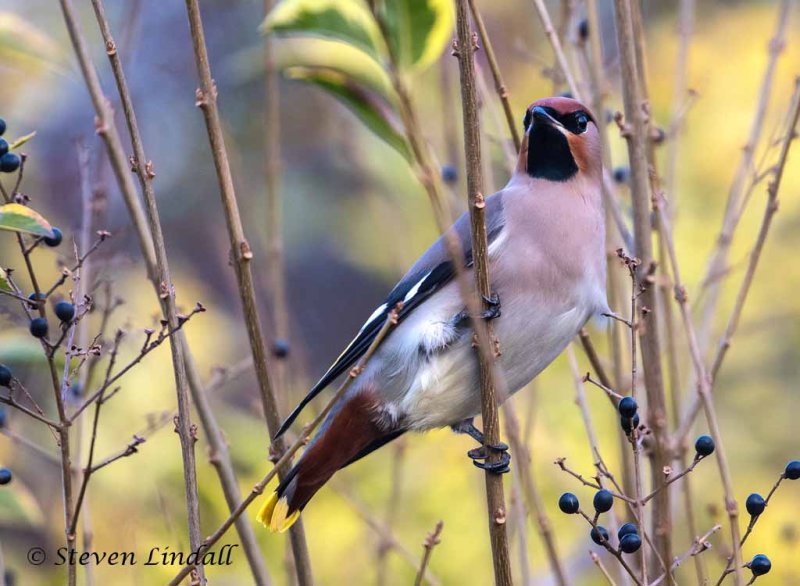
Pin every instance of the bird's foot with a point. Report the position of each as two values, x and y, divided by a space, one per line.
485 451
501 466
492 310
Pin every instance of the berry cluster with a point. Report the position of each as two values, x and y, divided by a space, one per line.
9 162
603 501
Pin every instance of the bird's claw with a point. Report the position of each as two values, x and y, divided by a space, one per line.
492 300
482 453
493 309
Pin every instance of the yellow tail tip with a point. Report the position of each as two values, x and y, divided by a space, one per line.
274 514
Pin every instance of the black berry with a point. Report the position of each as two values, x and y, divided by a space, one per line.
760 565
449 174
56 239
280 347
630 543
10 162
568 503
5 375
628 407
34 296
704 446
596 534
2 127
3 146
627 529
603 501
5 477
628 424
792 471
621 174
755 504
39 327
583 29
65 311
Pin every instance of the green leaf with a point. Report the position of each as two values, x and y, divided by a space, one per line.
419 30
21 141
345 20
313 53
19 218
374 112
4 284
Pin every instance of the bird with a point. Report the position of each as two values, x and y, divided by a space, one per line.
547 267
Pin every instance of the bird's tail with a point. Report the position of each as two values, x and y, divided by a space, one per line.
352 430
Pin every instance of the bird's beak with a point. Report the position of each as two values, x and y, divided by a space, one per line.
540 116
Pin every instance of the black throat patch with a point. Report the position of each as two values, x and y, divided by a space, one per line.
549 156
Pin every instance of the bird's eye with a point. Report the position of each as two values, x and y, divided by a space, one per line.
526 121
581 122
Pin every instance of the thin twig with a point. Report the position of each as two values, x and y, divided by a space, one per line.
755 256
637 142
495 498
703 388
731 216
242 255
146 349
555 43
497 76
144 170
392 510
432 540
699 545
598 562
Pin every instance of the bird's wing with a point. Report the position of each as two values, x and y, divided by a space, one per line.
430 273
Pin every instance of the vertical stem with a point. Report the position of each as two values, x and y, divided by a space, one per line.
637 137
183 424
88 207
219 455
499 84
489 406
242 255
597 82
276 286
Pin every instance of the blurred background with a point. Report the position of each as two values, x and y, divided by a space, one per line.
354 219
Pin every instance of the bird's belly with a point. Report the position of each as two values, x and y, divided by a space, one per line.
446 387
